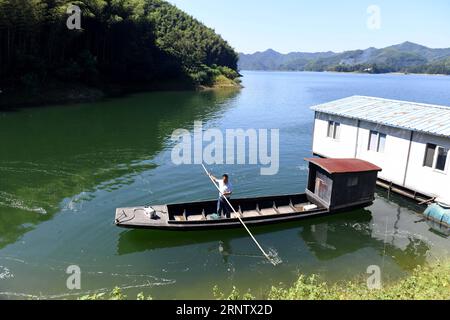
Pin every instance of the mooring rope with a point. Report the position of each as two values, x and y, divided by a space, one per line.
118 221
240 220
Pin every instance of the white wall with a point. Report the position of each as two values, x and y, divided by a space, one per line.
424 179
344 147
393 160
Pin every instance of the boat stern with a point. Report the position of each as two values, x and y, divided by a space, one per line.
145 216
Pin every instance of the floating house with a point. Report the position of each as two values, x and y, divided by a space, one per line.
409 141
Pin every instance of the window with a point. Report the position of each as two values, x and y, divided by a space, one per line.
330 129
373 141
334 130
323 187
441 158
381 142
435 157
352 181
429 155
377 141
337 130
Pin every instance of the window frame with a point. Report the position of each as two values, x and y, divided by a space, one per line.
428 147
435 158
352 181
379 142
335 128
376 135
446 150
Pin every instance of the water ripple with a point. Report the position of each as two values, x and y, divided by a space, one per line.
5 273
11 201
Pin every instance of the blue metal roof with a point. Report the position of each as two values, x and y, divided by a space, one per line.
427 118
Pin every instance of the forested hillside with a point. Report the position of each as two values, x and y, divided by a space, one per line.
120 42
405 57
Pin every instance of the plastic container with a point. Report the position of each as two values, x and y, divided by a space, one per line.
438 214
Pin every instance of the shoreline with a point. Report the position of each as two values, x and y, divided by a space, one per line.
353 72
58 94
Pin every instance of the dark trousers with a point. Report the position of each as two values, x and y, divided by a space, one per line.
223 207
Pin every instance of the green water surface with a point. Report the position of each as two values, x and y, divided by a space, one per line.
64 170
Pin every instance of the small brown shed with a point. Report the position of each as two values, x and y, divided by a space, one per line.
339 183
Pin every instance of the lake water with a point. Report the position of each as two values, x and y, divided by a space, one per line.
64 170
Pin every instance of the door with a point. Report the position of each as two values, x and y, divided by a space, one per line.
323 187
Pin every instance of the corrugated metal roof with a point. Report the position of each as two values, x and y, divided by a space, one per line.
427 118
343 165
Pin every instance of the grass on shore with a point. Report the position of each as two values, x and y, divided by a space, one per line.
424 283
55 92
430 282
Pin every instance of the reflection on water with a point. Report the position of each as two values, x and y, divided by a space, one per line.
327 237
315 232
52 154
438 228
63 171
334 238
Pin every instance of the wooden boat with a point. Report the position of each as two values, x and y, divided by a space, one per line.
314 232
334 185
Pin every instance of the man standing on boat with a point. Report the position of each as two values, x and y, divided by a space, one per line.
225 191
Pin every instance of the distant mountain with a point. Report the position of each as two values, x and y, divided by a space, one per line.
404 57
273 60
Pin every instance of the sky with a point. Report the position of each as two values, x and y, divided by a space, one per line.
323 25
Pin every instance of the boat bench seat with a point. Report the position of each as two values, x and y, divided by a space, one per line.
300 207
285 209
189 218
196 218
268 212
251 213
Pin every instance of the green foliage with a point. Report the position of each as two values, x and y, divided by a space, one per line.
425 282
115 294
121 41
96 296
202 75
234 294
142 297
30 82
228 72
213 76
437 67
428 282
363 68
406 57
185 38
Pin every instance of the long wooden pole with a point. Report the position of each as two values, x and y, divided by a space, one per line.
239 217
